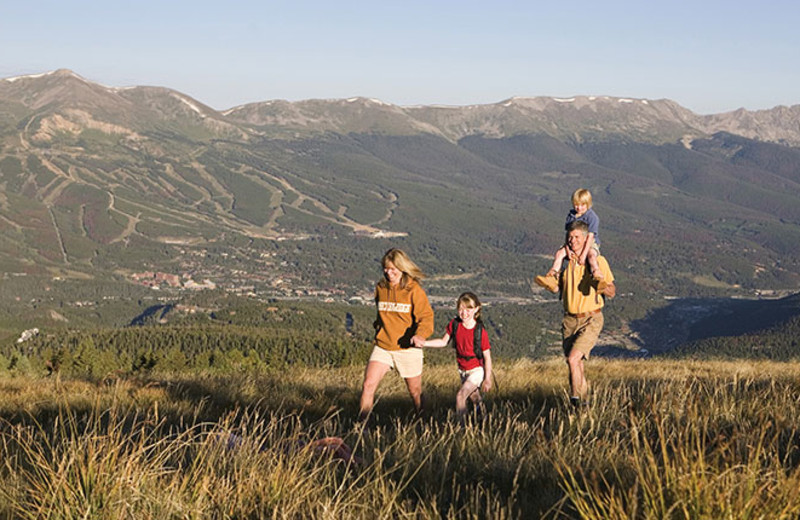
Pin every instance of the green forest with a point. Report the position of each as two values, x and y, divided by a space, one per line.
215 332
218 333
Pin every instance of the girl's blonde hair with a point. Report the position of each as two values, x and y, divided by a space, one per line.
582 196
469 300
401 261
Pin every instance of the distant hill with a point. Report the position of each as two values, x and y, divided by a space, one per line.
747 329
301 198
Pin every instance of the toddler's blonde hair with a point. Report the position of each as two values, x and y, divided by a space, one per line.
582 196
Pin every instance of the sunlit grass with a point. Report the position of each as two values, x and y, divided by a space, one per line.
660 439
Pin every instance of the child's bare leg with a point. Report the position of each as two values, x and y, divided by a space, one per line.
591 259
597 274
477 403
464 393
560 255
550 280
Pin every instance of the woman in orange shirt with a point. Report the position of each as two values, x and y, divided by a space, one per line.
403 323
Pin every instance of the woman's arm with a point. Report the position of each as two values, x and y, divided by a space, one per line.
423 316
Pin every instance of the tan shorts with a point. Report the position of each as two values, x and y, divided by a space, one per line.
581 333
473 375
407 362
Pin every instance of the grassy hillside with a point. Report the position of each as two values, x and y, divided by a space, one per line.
661 439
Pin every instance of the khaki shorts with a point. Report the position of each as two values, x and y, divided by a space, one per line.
581 333
407 362
473 375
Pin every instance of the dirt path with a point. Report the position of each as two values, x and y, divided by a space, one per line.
58 235
130 227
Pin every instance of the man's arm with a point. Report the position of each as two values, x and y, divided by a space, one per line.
611 289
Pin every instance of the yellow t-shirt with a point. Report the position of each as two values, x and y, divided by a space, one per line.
579 290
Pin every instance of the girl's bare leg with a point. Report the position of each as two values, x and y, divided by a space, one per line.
465 392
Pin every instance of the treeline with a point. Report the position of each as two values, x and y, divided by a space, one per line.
779 343
228 334
96 354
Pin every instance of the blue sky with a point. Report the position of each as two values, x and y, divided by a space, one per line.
709 56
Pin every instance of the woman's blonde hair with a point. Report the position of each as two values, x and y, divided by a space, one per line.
469 300
582 196
401 261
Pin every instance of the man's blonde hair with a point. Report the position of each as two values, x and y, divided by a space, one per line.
582 196
401 261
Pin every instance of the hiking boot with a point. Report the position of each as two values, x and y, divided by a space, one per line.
578 404
549 282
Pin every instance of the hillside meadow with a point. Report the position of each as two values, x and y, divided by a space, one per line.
660 439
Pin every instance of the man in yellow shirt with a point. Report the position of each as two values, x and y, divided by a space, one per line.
583 308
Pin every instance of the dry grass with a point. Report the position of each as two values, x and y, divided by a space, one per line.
661 439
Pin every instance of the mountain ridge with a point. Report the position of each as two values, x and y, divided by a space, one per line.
108 181
579 117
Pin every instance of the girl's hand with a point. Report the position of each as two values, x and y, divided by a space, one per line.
487 383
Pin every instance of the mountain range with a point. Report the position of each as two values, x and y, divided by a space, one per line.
282 197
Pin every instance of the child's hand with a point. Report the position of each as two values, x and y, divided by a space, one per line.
487 384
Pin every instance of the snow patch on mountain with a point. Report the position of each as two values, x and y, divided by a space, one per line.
189 104
34 76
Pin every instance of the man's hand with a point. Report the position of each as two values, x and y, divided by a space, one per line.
487 384
610 291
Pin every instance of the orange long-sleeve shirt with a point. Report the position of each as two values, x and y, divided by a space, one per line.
402 314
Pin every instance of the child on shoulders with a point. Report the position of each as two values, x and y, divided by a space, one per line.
581 210
474 361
